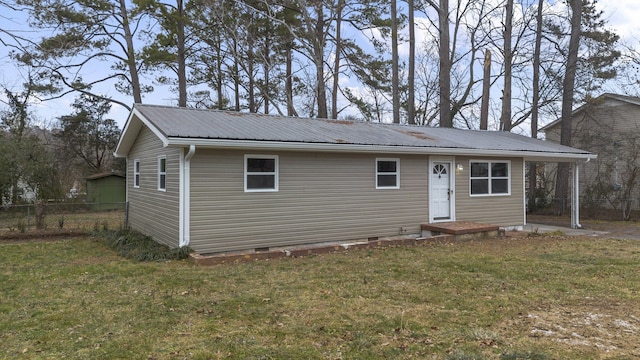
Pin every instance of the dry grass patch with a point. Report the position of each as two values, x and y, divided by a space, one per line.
524 298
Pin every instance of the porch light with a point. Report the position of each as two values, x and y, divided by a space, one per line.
459 167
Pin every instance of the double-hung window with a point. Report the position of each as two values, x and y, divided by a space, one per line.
136 173
387 173
490 177
260 173
162 173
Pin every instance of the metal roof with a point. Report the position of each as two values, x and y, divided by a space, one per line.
184 126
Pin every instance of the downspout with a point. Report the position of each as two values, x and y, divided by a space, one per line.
186 197
575 198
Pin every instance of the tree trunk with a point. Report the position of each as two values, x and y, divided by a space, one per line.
318 57
568 85
131 60
236 75
486 87
266 66
533 168
252 84
411 106
336 64
219 93
505 117
445 65
395 86
182 67
291 110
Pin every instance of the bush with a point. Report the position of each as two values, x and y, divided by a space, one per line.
136 246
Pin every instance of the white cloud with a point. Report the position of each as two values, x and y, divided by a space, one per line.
623 17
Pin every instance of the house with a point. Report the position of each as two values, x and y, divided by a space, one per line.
608 126
106 191
222 181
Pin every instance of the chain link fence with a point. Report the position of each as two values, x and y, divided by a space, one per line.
603 209
48 217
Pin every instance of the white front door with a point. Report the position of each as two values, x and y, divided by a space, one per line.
440 191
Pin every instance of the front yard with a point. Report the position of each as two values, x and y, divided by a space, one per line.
538 297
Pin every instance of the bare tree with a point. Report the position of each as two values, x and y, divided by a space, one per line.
411 75
83 34
568 85
533 167
505 117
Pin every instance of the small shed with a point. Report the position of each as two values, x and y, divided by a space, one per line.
106 191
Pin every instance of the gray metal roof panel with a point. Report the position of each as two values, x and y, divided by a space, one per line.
188 123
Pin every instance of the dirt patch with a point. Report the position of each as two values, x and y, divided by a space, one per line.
47 235
607 329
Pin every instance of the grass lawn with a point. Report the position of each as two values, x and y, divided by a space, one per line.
546 297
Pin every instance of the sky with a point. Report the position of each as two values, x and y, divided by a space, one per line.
622 16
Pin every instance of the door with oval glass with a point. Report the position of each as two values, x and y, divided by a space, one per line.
440 190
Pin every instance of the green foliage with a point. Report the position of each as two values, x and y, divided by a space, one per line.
87 135
599 51
133 245
26 163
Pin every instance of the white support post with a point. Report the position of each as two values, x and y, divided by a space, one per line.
575 198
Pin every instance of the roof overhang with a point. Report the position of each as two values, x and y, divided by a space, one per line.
135 122
362 148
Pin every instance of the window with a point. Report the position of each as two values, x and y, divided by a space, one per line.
387 173
490 177
260 173
136 173
162 173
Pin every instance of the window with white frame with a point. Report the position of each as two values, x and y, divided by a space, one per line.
387 173
136 173
162 173
260 173
490 177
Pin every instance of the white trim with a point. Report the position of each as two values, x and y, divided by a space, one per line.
396 173
524 190
131 130
276 173
182 193
185 195
160 173
575 198
136 173
452 185
389 149
489 177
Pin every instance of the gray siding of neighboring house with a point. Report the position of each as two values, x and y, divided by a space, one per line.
153 212
500 210
322 197
610 119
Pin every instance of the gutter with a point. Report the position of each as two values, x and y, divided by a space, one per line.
358 148
185 197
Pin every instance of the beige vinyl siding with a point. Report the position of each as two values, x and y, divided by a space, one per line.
153 212
321 197
503 210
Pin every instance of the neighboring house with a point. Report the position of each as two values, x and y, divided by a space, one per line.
106 191
608 126
221 181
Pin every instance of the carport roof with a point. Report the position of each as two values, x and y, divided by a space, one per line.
183 127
